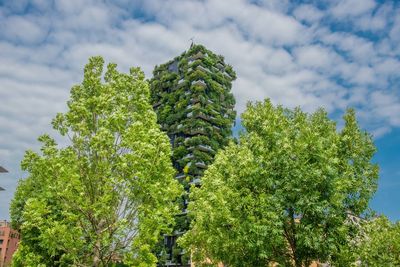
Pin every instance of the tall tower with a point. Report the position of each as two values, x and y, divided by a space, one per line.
191 95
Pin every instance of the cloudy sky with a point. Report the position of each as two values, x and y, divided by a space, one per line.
334 54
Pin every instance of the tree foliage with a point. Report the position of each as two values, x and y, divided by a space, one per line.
380 244
283 194
376 244
107 196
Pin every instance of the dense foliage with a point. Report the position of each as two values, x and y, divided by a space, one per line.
376 244
194 105
191 96
380 244
107 196
284 193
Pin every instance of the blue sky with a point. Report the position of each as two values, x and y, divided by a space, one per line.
334 54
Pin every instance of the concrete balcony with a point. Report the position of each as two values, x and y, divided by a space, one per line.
195 100
179 85
227 75
200 83
200 164
201 68
180 176
177 232
195 181
198 131
199 55
183 212
188 156
203 116
205 148
214 112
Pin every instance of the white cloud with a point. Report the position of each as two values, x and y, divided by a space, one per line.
375 21
395 31
344 8
381 131
23 29
357 48
364 76
308 13
387 105
315 56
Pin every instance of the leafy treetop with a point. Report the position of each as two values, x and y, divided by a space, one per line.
284 193
107 195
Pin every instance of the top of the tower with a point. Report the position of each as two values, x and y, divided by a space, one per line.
201 53
192 43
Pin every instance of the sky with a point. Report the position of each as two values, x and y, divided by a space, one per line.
333 54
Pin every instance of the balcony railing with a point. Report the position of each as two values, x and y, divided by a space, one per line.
188 156
205 148
227 75
200 83
195 181
200 164
180 176
197 56
197 131
201 68
219 65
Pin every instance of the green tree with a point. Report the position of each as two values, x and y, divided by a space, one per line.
377 244
284 192
381 243
108 195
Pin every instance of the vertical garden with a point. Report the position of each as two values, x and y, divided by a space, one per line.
191 95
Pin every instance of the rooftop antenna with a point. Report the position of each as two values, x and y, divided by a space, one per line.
191 39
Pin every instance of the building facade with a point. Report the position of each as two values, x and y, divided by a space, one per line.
8 243
191 95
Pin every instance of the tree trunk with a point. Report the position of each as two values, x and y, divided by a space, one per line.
97 257
96 252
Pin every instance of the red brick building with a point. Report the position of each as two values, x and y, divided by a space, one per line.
8 243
